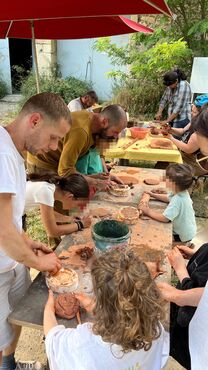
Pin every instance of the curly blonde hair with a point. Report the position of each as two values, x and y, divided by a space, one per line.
128 305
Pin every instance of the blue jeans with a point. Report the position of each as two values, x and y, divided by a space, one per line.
180 124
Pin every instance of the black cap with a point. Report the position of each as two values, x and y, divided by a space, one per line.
170 78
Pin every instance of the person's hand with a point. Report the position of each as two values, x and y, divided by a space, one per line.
39 246
155 269
110 165
158 116
151 193
145 210
103 185
176 259
86 220
116 179
167 291
49 306
85 301
49 263
101 176
186 252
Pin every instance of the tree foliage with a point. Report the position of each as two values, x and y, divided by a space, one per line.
147 57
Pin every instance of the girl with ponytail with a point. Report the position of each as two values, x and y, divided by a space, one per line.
72 192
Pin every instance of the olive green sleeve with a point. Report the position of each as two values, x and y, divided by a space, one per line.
75 145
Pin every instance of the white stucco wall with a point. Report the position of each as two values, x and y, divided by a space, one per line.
5 63
79 59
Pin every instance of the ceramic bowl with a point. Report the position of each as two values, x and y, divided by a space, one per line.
139 132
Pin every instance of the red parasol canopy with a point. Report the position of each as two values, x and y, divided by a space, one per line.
43 9
71 28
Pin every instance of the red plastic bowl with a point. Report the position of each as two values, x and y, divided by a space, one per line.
139 132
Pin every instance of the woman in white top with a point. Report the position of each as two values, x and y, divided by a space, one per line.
125 331
73 191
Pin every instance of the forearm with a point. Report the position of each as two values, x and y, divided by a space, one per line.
157 216
161 197
189 297
14 245
59 230
49 320
104 165
182 273
187 148
171 117
177 131
62 218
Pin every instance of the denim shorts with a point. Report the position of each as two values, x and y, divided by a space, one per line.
13 285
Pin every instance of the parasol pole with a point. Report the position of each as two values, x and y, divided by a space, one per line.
35 58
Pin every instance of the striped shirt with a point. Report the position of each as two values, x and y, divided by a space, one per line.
178 100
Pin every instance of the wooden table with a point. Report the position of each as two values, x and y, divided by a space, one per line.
151 237
129 149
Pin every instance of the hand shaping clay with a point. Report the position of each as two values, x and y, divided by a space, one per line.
151 181
159 191
154 131
66 306
144 201
161 144
64 281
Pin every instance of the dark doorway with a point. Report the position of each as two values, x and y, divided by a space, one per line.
20 51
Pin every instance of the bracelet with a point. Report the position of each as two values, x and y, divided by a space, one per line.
80 225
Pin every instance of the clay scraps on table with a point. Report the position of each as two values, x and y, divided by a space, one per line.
66 306
127 180
74 255
152 181
100 212
161 144
85 253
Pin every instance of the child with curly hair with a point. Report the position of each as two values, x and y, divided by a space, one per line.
125 330
179 178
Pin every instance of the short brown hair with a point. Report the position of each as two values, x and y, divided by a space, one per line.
92 94
128 305
181 175
49 104
115 114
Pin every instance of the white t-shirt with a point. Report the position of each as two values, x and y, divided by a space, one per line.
12 181
80 349
198 334
39 192
75 105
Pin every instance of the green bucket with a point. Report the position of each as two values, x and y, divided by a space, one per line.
109 233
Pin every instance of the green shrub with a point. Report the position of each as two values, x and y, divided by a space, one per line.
139 87
3 88
68 88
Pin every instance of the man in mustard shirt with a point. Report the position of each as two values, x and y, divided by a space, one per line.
85 129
